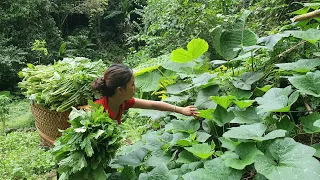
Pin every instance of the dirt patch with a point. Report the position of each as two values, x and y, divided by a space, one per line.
307 138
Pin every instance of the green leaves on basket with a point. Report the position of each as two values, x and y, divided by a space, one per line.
86 148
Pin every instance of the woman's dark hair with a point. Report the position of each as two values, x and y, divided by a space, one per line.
117 75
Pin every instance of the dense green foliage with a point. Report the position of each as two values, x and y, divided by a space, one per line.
21 156
128 30
5 99
253 112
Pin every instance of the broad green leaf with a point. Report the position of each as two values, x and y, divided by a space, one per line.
128 173
203 101
176 99
244 103
150 65
252 49
203 79
228 143
160 172
311 35
243 56
272 40
214 169
276 100
134 158
156 160
186 68
153 114
317 54
293 98
311 4
307 84
246 131
287 160
228 42
168 78
248 116
184 142
189 126
196 47
202 136
254 132
221 116
177 88
216 39
240 94
177 137
265 88
202 151
317 147
245 154
208 126
286 124
185 168
152 141
272 135
166 136
223 101
301 11
186 157
99 173
207 114
259 177
308 122
246 80
232 41
317 123
303 65
218 62
180 56
148 81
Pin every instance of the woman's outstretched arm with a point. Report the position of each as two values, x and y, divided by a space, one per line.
162 106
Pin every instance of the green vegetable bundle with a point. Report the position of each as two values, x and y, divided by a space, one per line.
62 85
85 149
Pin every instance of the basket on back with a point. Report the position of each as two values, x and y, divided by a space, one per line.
55 88
49 122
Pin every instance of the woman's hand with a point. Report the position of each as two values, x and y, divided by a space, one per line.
190 111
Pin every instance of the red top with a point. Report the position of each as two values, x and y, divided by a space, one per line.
124 106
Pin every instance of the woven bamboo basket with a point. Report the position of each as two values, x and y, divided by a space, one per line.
49 122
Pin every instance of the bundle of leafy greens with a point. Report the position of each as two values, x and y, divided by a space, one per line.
62 85
85 149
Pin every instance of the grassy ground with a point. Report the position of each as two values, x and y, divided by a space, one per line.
21 144
20 116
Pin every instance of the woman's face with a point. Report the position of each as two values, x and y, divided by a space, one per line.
130 89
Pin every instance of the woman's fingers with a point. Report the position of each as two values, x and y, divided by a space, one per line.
193 111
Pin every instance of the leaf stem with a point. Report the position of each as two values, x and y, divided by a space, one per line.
252 64
311 139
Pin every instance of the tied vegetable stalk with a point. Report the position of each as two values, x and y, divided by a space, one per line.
63 85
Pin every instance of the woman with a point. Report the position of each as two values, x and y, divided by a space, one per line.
118 87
